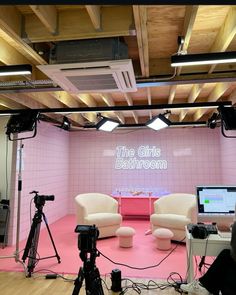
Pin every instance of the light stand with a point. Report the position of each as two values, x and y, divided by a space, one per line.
16 253
22 122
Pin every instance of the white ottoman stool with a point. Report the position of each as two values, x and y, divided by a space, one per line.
125 235
163 238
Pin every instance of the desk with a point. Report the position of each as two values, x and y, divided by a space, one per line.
135 205
211 246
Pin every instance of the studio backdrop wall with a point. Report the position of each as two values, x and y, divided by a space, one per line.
174 160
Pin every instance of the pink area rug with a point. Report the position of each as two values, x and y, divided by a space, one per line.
141 255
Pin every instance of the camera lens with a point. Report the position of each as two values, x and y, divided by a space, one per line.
49 198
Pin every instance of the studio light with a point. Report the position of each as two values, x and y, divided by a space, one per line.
228 117
203 59
65 124
159 122
107 124
15 70
23 122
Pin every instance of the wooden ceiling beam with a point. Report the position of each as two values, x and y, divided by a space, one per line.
232 97
10 56
10 103
88 100
76 24
51 102
94 12
129 100
107 98
226 34
215 94
189 20
47 14
140 20
172 94
149 98
10 31
71 102
222 41
195 91
25 99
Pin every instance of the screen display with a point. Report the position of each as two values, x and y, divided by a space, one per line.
214 200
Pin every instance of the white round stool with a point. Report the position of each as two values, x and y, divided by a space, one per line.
163 238
125 235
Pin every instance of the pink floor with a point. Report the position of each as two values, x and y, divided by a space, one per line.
142 254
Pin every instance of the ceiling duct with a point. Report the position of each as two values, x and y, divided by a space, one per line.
99 65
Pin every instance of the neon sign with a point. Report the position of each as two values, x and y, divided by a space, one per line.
143 157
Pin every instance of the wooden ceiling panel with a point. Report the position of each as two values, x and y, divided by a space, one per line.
182 91
150 32
208 22
163 39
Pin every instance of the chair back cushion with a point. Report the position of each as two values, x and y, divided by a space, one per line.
178 203
97 203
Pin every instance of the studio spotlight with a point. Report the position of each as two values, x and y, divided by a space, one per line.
159 122
66 124
23 122
228 117
107 124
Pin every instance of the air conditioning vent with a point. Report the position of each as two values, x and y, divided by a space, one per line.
101 76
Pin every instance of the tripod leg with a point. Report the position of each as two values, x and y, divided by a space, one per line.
50 235
33 251
93 284
34 228
78 282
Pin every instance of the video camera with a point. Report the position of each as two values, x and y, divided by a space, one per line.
40 200
88 235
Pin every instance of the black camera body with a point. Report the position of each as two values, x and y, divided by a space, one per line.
40 200
88 235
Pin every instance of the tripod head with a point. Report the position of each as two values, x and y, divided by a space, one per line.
87 238
39 200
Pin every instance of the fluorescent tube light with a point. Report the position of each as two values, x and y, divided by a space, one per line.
158 123
15 70
107 124
203 59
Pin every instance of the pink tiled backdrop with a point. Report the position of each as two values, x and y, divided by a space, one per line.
45 168
66 164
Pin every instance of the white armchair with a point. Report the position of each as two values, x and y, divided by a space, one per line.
98 209
174 211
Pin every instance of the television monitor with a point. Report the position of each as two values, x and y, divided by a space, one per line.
216 204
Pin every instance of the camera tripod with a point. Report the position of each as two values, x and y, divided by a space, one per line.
33 238
90 273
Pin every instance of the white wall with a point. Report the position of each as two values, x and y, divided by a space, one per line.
5 160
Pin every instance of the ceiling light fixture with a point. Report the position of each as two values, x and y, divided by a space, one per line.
107 124
16 70
159 122
182 60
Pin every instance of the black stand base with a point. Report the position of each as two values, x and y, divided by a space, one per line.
30 251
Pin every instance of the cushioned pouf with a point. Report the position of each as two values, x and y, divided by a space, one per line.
125 235
163 238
